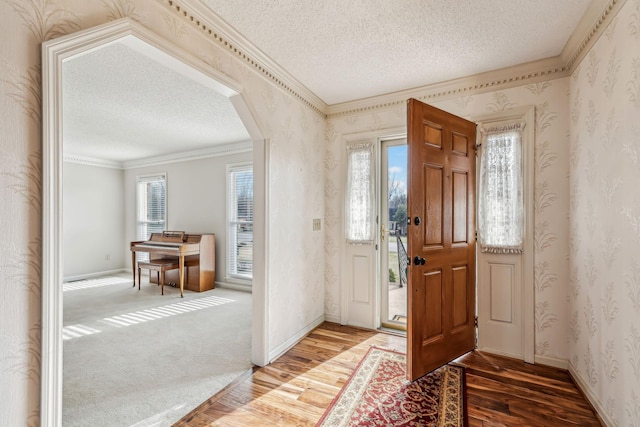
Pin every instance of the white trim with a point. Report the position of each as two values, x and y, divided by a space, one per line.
588 30
228 275
597 17
554 362
332 319
234 286
162 176
296 338
527 114
592 398
374 137
92 161
54 52
98 274
203 153
225 35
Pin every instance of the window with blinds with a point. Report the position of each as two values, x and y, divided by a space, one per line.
240 221
151 207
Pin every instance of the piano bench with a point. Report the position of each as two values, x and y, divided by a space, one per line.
159 266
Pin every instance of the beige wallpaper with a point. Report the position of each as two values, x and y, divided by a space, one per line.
604 309
550 99
296 135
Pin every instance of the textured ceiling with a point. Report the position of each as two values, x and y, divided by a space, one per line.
121 105
348 50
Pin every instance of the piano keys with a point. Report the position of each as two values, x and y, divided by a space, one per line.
195 253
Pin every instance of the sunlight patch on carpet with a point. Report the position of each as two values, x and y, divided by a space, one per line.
76 331
165 311
142 316
93 283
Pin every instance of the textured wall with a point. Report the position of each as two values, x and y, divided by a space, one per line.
295 187
551 196
604 338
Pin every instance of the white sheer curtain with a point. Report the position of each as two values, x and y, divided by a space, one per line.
360 195
500 204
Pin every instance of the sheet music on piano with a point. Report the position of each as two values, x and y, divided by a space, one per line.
172 236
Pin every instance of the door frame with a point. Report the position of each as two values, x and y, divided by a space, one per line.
525 114
54 52
375 136
380 207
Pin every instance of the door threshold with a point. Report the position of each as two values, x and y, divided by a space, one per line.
393 328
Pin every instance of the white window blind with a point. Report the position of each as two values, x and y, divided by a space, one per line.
500 204
151 207
240 220
360 197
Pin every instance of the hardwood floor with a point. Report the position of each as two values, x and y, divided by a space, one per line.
296 389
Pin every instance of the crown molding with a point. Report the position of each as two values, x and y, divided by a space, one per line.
185 156
591 26
599 14
228 38
518 75
587 32
92 161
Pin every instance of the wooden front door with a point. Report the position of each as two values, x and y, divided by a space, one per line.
441 238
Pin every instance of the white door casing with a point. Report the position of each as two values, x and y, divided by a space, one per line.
54 52
360 290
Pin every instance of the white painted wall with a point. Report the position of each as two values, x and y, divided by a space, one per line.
196 200
93 219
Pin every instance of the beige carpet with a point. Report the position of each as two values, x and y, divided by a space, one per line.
137 358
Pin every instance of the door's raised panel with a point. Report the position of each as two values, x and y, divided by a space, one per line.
459 144
432 135
501 285
433 292
361 279
460 207
433 190
460 296
440 165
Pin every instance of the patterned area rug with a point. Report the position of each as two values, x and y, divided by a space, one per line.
378 394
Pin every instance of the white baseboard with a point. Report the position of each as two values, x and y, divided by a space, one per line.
552 361
584 388
284 347
234 286
98 274
332 319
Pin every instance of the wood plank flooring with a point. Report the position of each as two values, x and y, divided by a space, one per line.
296 389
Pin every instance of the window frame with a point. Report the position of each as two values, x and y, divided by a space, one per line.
232 222
147 178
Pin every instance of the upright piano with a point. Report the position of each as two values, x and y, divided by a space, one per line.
195 253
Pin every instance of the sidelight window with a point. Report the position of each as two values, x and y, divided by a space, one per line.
360 197
500 197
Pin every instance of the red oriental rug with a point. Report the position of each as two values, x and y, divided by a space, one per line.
378 394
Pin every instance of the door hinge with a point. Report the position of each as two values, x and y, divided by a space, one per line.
476 321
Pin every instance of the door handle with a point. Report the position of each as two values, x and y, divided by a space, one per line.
384 232
417 260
